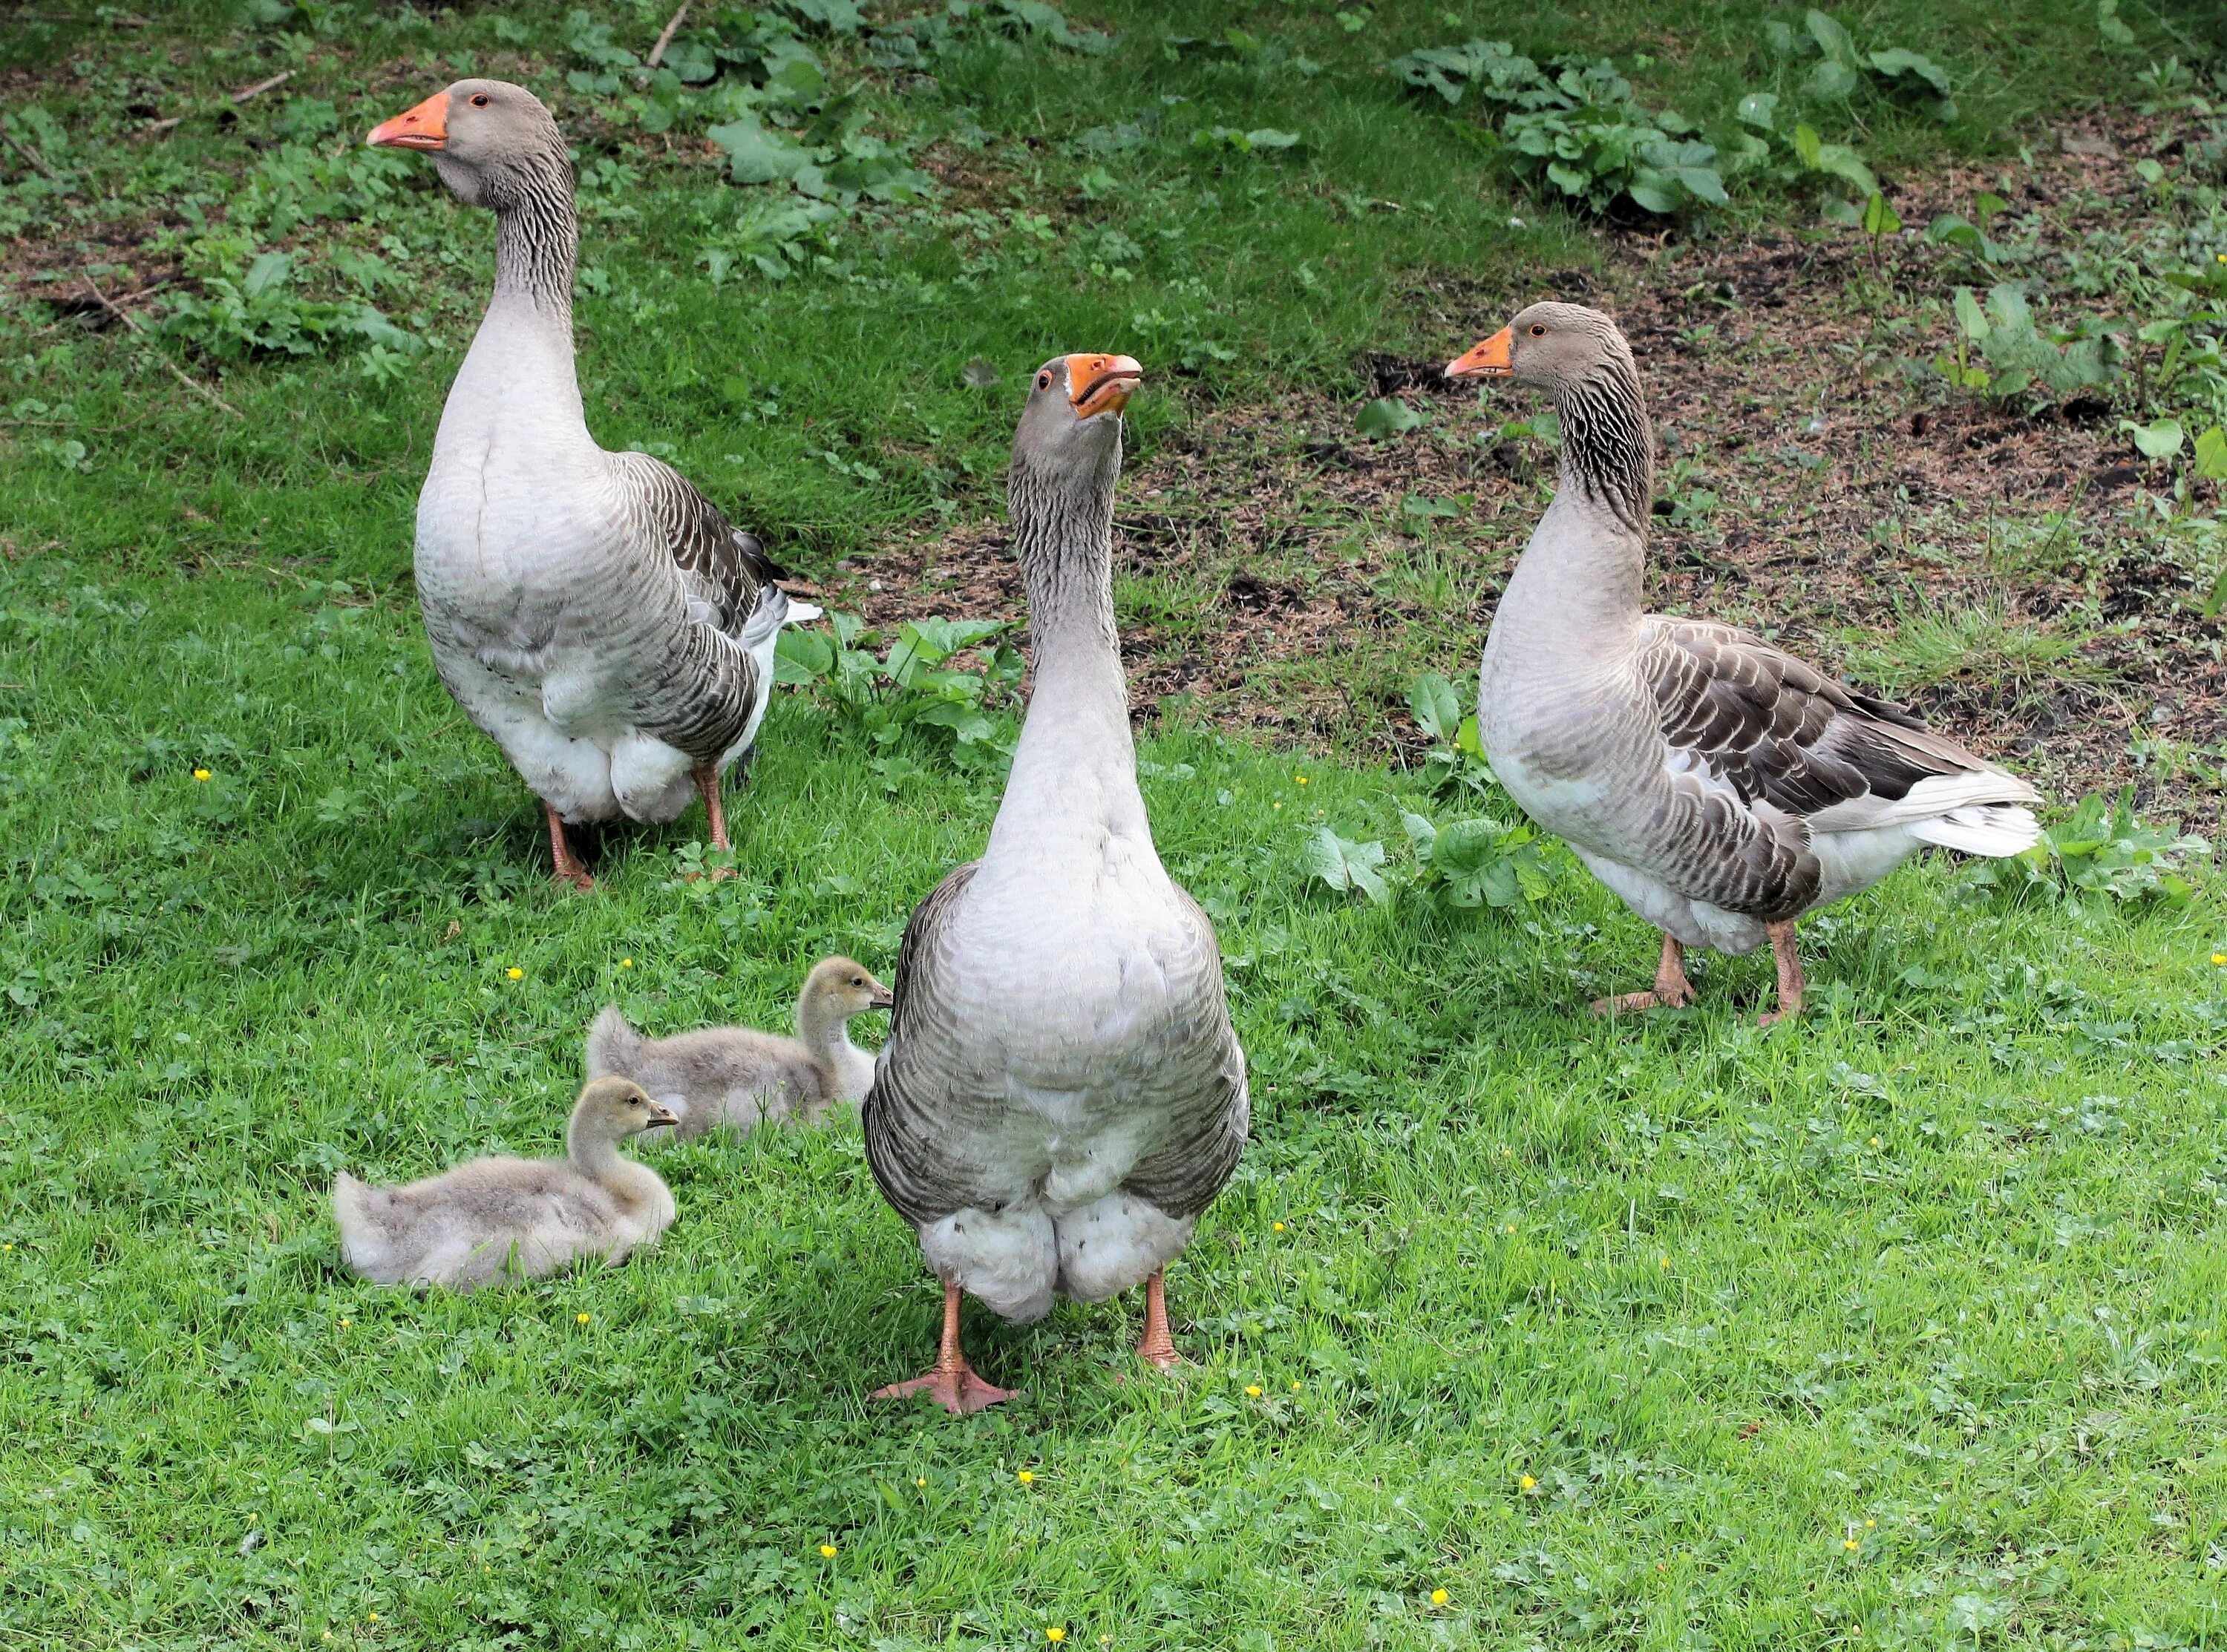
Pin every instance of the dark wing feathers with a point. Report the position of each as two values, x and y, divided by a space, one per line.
1780 731
725 568
924 1183
1183 1173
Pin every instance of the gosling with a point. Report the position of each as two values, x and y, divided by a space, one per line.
742 1078
500 1219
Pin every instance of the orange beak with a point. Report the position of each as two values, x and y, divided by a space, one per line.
1493 358
1101 384
425 127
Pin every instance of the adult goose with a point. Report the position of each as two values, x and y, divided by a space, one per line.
591 612
1062 1093
1718 785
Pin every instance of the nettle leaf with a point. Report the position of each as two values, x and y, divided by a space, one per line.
1759 110
1388 416
1437 706
1346 866
757 155
1897 63
269 270
1971 320
1831 80
2211 453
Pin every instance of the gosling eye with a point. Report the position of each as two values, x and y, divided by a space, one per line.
1043 379
1538 330
479 100
858 980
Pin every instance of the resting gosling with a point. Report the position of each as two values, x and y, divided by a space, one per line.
496 1219
741 1077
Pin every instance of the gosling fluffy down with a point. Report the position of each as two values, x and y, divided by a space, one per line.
499 1219
740 1077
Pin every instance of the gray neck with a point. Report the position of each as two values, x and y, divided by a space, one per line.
823 1029
1608 448
1076 757
593 1153
537 238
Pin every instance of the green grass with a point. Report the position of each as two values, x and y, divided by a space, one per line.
1618 1333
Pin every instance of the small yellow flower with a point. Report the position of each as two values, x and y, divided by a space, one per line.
345 1323
201 774
1438 1596
1875 1141
10 1246
1278 804
515 974
1025 1478
1302 779
2218 959
581 1319
1508 1153
826 1551
1511 1227
371 1618
1869 1524
920 1480
1277 1227
1055 1634
626 963
1666 1261
1252 1391
1295 1384
1525 1482
1850 1543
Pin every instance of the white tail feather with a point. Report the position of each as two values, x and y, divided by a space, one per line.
1994 829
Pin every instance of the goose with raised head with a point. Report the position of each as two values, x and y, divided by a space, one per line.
1718 786
740 1077
497 1218
594 614
1062 1093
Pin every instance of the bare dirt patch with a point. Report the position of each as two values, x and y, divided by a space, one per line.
1291 578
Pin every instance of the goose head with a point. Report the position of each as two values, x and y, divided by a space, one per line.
615 1109
839 988
1071 427
494 144
1550 347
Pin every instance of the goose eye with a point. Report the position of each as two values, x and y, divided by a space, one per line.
479 100
1043 381
1537 330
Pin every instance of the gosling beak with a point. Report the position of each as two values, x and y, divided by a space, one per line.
882 998
1101 384
425 127
1492 358
662 1114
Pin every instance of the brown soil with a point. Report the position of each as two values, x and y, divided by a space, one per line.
1265 570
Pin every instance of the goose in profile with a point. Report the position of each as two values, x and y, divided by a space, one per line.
1062 1093
1718 786
591 612
503 1218
741 1077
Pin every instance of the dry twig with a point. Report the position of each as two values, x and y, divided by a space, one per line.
262 86
175 371
665 38
39 160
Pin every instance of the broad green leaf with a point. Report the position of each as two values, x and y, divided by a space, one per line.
2211 453
1345 865
1832 39
269 270
1897 63
802 657
1880 218
2158 440
1759 109
1437 706
1971 320
1388 416
1831 80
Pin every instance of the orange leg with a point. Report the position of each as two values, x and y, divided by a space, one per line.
1788 956
951 1381
707 782
1157 1346
568 869
1672 990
